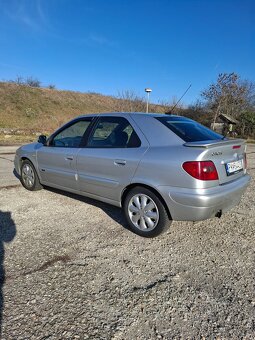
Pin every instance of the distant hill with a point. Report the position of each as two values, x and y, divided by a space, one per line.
39 109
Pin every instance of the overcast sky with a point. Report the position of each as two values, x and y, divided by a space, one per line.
109 46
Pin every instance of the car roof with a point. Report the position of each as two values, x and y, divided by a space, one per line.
150 114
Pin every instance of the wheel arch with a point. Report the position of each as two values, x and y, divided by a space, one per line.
26 158
133 185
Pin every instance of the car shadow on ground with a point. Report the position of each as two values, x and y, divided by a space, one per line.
7 234
114 212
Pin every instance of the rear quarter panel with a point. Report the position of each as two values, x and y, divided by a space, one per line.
162 166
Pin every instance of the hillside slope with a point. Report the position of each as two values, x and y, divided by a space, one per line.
31 108
38 109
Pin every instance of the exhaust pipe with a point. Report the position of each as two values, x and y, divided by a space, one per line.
218 214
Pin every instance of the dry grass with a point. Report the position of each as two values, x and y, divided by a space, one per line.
45 109
16 139
38 109
29 109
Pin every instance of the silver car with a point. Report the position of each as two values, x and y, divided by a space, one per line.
156 167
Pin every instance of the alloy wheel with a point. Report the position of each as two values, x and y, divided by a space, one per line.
28 175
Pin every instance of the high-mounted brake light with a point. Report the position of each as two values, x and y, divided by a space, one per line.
236 146
203 170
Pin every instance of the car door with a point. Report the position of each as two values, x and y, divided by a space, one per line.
57 160
108 162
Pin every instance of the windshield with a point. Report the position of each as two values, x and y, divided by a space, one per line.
188 130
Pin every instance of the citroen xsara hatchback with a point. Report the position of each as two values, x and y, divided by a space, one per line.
156 167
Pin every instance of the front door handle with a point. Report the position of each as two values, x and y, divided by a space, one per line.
69 158
120 162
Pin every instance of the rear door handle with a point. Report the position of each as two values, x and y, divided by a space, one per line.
120 162
69 158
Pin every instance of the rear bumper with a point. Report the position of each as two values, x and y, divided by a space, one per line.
200 204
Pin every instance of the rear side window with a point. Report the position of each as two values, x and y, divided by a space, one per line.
188 130
113 132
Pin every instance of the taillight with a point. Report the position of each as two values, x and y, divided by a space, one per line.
203 170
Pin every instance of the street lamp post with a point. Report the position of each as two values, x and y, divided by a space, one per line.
148 97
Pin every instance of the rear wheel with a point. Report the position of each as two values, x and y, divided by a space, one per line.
29 178
145 213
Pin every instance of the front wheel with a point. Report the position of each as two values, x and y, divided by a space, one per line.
29 178
145 213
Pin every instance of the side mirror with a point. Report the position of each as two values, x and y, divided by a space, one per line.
42 139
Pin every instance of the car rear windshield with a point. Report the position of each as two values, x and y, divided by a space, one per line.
188 130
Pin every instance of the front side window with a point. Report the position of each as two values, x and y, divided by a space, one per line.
71 136
188 129
113 132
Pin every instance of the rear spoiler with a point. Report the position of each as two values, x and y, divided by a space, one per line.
210 144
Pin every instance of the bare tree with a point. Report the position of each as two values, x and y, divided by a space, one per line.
29 81
33 82
129 101
19 80
229 95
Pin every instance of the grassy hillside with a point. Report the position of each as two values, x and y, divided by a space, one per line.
37 108
25 110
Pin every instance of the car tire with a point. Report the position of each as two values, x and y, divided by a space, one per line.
145 213
28 176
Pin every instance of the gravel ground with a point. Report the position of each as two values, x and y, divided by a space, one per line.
73 271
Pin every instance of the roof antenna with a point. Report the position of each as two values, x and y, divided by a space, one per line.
170 112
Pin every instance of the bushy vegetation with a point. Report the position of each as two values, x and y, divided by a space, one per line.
29 81
129 101
229 95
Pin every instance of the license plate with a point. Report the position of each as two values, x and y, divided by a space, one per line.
234 167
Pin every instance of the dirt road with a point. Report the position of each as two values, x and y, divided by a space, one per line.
73 271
